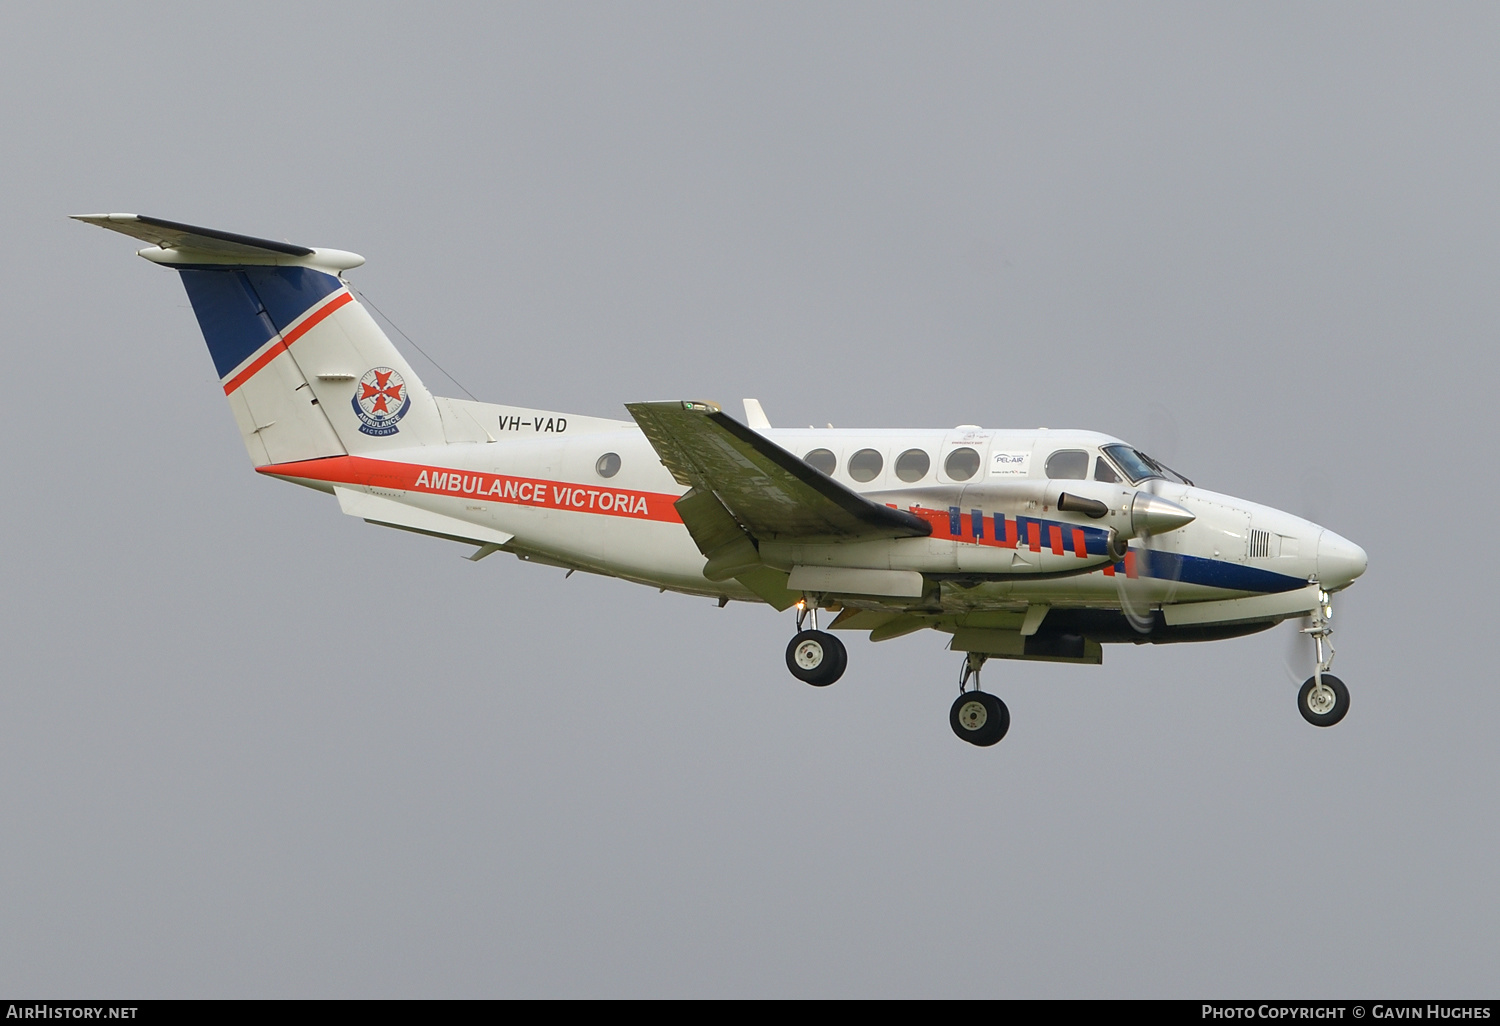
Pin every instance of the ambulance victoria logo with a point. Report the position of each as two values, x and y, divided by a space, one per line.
381 401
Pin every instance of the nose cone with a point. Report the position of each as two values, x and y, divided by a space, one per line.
1340 561
1151 514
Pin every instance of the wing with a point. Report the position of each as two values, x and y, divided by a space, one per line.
770 492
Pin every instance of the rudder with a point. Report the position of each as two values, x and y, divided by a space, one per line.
306 370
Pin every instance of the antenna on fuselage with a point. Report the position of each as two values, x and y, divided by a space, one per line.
755 417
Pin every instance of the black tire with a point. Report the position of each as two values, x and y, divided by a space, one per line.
816 658
1327 717
979 718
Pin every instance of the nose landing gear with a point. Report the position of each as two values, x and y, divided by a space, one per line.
815 657
1323 699
977 716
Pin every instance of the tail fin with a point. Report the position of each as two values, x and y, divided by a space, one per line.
307 371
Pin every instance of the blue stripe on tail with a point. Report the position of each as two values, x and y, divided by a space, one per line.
241 309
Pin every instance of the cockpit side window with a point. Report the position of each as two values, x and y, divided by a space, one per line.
1068 465
1104 472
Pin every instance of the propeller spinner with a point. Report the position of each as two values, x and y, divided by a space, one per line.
1150 516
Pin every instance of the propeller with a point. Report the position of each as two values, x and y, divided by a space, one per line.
1300 652
1151 516
1137 609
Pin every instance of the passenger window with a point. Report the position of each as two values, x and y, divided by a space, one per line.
1068 465
865 465
912 465
822 460
1104 472
961 464
608 465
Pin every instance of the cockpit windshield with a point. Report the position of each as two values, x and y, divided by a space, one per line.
1137 466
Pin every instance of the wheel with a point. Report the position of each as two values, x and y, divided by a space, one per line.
1323 708
979 718
816 658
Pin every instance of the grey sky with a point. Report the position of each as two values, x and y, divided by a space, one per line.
249 746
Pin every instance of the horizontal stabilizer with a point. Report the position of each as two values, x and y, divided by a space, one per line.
179 244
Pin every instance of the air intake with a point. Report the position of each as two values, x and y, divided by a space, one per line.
1260 544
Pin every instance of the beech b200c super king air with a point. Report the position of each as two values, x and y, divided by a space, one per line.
1043 545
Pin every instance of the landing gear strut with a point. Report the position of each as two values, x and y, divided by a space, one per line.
815 657
977 716
1323 699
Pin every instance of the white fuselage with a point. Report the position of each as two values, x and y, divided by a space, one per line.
539 477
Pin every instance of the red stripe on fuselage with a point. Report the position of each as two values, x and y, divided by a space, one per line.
1007 533
482 485
280 345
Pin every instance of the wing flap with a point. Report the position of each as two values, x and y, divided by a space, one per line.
723 542
729 550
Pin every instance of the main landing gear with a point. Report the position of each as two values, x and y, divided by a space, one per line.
977 716
815 657
818 658
1323 699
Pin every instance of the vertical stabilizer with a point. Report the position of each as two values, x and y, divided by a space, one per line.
307 371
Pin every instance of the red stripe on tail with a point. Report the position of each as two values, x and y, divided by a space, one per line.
287 339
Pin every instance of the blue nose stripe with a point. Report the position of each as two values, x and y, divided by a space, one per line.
1214 573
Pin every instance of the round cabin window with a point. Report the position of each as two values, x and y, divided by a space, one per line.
608 465
961 464
865 465
822 460
912 465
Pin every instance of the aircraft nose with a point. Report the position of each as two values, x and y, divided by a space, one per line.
1340 561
